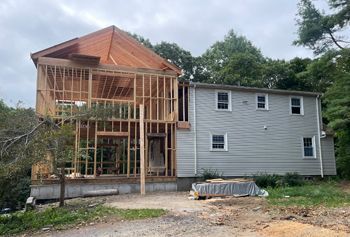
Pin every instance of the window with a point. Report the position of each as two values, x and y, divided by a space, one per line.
308 144
218 142
262 102
223 100
296 105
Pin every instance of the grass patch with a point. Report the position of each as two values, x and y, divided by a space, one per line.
326 194
60 217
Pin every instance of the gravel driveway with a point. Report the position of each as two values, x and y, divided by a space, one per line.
244 216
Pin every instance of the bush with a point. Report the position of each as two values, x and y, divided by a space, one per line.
292 179
210 174
264 180
14 191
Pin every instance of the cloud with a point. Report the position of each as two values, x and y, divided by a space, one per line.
29 26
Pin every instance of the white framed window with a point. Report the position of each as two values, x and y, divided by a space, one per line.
218 142
262 101
223 100
309 150
296 105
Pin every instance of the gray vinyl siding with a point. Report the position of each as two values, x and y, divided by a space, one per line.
328 156
251 148
185 144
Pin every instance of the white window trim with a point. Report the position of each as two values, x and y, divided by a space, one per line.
266 101
229 100
313 147
211 142
301 105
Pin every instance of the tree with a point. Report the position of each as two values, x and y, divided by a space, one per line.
338 111
178 56
320 31
294 79
60 147
330 73
224 57
142 40
26 139
320 73
18 140
243 69
14 183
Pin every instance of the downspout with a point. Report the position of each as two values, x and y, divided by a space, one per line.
195 129
319 134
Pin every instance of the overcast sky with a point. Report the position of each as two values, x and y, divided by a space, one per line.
29 26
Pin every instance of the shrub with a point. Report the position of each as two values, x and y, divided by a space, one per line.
265 180
292 179
14 191
210 174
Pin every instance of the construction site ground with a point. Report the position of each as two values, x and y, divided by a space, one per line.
229 216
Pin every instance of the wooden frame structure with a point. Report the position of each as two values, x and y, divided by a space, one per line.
64 88
110 72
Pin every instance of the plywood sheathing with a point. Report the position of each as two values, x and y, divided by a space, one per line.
113 46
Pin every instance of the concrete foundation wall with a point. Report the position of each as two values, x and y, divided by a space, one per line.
52 191
185 184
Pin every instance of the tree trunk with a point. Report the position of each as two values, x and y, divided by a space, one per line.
62 187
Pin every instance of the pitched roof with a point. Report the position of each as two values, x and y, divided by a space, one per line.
253 89
110 45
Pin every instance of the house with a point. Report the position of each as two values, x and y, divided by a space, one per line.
242 131
187 126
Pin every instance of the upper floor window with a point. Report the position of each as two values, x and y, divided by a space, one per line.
218 142
296 105
223 100
309 147
262 102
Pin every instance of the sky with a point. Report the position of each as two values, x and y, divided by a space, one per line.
30 26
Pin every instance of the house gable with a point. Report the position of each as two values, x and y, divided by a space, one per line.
111 46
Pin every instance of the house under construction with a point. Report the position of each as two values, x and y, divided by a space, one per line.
109 69
163 129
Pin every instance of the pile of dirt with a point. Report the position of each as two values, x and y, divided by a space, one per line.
296 229
331 218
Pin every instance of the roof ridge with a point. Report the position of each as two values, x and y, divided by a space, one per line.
166 62
110 44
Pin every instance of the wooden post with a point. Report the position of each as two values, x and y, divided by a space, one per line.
95 150
166 149
135 150
128 152
142 151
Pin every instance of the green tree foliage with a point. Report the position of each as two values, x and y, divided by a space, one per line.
178 56
18 140
14 165
287 75
330 73
235 60
142 40
320 31
14 190
25 140
338 110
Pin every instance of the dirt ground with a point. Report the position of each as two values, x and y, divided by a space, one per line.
231 216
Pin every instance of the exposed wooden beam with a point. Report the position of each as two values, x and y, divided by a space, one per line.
70 63
142 152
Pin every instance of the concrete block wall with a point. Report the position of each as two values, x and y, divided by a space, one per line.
52 191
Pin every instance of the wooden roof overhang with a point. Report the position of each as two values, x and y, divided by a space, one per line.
108 67
109 46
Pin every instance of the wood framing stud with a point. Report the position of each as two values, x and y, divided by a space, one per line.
142 152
